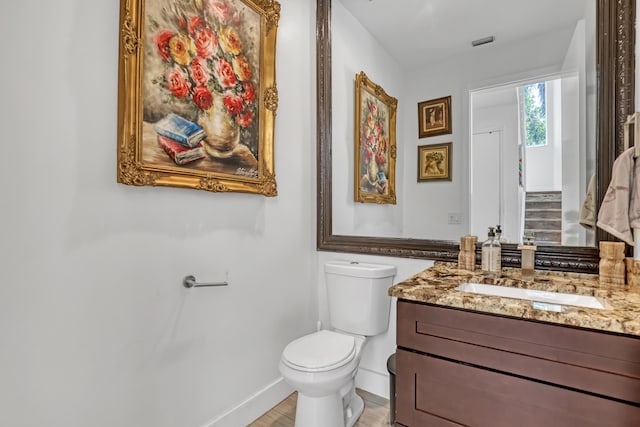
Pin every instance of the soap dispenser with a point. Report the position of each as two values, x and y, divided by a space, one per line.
491 255
499 234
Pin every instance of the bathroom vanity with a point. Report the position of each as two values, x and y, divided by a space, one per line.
482 360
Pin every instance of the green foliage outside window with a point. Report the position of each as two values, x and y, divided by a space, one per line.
535 114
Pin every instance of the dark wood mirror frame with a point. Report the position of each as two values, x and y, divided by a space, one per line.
616 74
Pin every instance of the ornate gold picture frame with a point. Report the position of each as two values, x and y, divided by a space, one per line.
375 143
197 94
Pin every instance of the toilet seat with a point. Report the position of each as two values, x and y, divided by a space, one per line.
320 351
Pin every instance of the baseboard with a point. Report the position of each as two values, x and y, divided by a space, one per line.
256 405
373 382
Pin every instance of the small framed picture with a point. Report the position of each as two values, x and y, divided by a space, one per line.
434 162
434 117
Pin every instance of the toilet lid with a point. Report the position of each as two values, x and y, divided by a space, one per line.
320 351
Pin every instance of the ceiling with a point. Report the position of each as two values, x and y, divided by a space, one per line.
418 32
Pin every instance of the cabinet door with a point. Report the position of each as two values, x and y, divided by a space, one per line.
436 392
597 363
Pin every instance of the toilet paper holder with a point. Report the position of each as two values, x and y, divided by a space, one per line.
190 282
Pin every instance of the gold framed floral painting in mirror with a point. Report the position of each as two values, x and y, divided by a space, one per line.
375 143
434 162
197 94
434 117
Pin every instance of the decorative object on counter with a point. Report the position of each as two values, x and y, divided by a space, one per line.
491 255
612 264
197 94
434 162
633 274
375 143
528 257
434 117
467 255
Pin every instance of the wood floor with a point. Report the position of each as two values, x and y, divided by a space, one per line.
376 412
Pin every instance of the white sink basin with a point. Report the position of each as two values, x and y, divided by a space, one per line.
535 295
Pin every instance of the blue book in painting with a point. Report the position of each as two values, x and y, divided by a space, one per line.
179 129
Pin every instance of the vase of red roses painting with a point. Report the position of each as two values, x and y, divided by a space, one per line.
208 72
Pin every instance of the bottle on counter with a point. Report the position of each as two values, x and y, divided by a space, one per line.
499 234
491 255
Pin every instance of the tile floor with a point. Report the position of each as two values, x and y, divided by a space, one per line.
376 412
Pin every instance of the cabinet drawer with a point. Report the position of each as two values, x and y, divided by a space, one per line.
437 392
600 363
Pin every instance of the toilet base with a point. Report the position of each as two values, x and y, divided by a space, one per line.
354 410
325 411
328 411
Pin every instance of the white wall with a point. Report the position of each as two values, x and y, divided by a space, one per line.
347 33
573 234
503 117
577 135
96 327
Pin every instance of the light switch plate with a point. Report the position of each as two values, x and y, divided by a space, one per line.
454 218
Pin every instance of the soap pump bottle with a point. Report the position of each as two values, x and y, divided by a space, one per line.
499 233
491 255
496 249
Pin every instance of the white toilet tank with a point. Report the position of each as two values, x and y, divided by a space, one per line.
357 296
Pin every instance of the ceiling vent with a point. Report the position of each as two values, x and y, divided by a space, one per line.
482 41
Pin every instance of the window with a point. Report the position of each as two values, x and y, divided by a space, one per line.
535 114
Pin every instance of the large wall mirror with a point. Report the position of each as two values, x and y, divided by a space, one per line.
578 60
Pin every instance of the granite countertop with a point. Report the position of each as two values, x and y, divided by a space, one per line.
437 284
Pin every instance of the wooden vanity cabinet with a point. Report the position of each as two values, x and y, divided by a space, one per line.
464 368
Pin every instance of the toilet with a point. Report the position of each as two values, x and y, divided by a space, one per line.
322 366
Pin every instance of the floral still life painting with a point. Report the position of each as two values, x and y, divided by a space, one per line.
375 143
434 162
197 94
